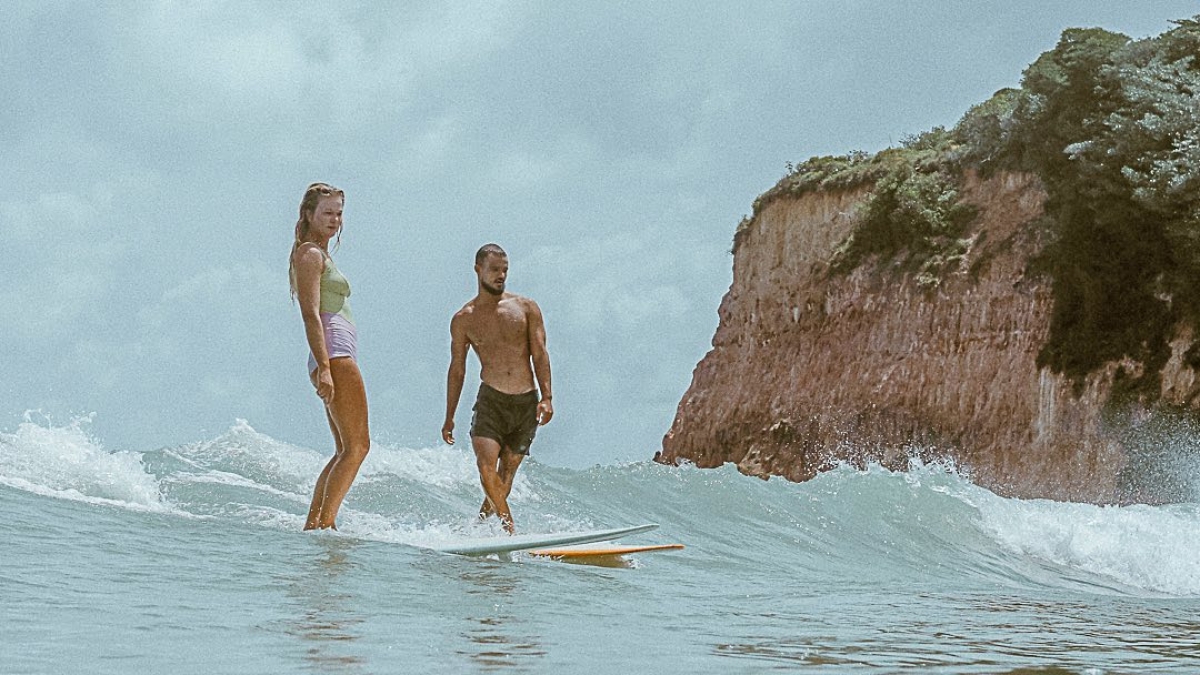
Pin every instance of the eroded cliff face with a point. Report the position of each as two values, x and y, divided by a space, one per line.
809 368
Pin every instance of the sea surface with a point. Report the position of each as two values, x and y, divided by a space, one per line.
190 559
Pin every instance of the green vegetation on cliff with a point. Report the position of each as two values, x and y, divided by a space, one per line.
1111 126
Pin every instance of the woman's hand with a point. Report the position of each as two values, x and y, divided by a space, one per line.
325 385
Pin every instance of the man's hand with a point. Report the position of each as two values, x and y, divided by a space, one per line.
448 432
545 410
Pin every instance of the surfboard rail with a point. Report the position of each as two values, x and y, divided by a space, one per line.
525 542
600 551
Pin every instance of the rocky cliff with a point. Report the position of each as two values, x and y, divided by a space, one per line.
810 367
1035 326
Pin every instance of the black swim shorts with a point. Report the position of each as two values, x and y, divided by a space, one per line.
510 419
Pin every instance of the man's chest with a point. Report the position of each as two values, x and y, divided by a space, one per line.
505 325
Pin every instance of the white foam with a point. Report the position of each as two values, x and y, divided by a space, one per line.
1145 547
443 466
234 480
1141 548
244 451
437 534
265 516
63 461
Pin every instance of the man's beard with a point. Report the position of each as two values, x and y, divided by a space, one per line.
492 289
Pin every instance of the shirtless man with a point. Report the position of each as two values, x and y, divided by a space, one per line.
507 333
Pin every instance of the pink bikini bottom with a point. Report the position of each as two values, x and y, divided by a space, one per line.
341 339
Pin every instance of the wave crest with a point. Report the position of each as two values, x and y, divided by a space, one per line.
65 461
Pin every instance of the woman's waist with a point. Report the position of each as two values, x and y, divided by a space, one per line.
338 320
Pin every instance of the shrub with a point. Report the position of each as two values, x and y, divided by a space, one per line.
911 211
1111 126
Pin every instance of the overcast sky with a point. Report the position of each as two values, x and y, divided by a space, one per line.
154 155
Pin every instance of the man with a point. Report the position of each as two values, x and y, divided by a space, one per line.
509 337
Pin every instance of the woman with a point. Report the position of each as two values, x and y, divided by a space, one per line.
332 341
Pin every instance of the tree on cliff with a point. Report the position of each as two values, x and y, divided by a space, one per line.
1112 128
1110 125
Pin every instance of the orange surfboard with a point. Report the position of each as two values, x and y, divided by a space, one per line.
600 550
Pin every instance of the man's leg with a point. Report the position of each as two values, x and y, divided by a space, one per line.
487 457
509 463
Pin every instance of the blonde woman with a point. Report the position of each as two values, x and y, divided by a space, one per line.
323 295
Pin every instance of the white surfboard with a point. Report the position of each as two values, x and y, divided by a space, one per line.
601 550
524 542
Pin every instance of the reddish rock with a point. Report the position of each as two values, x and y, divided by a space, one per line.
808 369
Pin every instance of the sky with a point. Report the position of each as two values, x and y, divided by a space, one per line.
155 155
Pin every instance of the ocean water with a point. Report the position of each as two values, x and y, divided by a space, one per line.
190 560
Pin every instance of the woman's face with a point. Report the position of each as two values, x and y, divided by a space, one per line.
326 218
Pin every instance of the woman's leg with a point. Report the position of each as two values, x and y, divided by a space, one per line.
348 420
314 511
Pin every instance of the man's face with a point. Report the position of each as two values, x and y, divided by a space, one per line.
493 272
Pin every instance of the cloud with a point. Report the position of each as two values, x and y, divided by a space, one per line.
64 261
156 151
621 283
306 70
218 318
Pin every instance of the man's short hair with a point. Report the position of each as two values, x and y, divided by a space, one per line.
486 250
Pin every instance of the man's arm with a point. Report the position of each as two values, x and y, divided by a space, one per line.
457 373
541 362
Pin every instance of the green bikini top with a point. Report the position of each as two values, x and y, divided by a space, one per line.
335 291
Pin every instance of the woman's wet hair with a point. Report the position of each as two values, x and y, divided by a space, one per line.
312 196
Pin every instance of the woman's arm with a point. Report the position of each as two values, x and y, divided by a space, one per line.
310 265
